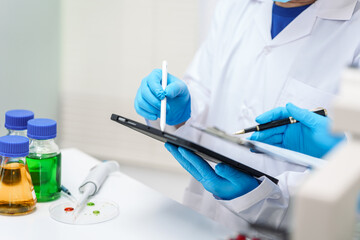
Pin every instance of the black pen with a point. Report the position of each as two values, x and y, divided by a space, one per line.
278 123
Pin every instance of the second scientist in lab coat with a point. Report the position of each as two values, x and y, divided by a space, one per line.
240 72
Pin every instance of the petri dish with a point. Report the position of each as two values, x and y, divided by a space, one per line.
95 211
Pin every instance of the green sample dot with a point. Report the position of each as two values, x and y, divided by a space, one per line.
91 204
96 212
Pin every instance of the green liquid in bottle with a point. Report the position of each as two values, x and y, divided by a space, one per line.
45 171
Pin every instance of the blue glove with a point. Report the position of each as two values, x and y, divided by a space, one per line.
224 182
311 136
149 96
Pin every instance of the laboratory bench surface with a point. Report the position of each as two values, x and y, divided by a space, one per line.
143 212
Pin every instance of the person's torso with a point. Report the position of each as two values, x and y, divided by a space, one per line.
253 73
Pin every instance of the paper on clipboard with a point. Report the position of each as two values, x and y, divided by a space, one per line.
272 151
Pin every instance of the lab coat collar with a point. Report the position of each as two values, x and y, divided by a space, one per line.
299 28
332 9
263 19
304 23
336 9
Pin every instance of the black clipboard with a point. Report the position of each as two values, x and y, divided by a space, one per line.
203 152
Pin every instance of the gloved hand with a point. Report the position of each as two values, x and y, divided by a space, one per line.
149 96
310 136
224 182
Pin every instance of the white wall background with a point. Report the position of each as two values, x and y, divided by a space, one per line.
29 57
206 11
108 47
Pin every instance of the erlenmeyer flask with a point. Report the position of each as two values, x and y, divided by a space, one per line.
17 195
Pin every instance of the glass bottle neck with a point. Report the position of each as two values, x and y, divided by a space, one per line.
42 142
39 147
8 160
17 132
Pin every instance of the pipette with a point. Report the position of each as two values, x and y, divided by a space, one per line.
93 182
67 194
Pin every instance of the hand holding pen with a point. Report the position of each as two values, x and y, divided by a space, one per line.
151 93
310 135
278 123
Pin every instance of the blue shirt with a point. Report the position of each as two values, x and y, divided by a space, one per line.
281 17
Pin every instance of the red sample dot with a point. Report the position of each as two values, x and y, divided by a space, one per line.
241 237
69 209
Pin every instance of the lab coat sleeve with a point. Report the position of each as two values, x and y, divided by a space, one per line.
198 76
357 60
268 204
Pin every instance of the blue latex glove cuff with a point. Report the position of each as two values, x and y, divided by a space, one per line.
224 181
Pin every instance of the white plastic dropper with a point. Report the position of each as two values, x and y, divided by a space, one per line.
93 182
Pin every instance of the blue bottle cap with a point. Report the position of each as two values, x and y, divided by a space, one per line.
41 129
14 146
17 119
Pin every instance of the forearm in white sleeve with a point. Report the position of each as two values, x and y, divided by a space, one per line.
269 203
357 61
199 76
200 98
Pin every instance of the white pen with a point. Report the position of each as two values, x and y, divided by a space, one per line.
163 102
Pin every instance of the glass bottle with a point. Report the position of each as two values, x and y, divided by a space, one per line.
44 159
16 121
17 196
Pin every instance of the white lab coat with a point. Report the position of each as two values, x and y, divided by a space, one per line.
240 72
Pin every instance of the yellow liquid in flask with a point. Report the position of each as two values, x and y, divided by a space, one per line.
17 195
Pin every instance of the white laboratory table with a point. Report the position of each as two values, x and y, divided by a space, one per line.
144 213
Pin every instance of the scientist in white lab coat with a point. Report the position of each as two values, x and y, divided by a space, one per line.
260 55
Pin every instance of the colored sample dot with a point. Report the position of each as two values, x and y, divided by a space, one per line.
91 204
69 209
241 237
96 212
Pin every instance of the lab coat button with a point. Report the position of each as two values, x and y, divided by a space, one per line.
276 196
245 112
267 50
